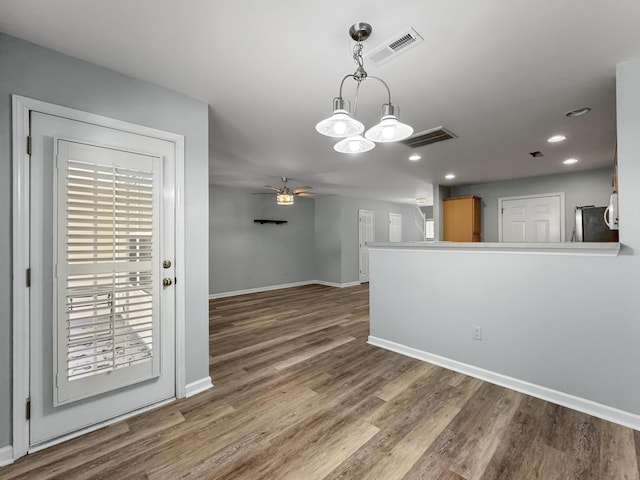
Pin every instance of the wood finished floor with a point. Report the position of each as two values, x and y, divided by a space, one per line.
299 395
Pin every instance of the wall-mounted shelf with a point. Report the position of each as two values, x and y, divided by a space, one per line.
262 221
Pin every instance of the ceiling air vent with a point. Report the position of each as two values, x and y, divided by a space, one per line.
398 44
427 137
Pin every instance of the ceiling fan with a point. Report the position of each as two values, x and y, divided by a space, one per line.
285 195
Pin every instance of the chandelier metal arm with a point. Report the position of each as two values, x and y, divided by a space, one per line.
359 80
385 86
342 82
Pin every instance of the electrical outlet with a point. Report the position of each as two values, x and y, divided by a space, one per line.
476 333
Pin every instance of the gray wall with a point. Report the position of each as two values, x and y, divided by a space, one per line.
591 187
39 73
428 211
350 271
568 323
248 255
320 242
440 192
328 221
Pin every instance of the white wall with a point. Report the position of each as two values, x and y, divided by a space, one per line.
566 323
36 72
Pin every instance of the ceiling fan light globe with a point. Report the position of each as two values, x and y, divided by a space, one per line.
284 199
390 129
354 144
340 124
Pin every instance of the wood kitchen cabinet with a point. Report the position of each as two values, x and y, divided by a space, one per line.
461 219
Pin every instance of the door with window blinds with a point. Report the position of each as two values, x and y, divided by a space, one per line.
102 323
106 303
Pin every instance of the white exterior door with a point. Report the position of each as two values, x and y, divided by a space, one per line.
395 227
365 235
532 219
102 324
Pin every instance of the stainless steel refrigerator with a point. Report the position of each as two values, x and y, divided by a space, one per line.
591 227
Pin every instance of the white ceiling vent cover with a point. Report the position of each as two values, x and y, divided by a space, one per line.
398 44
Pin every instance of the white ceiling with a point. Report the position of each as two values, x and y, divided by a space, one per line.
500 74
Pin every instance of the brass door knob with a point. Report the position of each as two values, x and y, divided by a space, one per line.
166 264
166 282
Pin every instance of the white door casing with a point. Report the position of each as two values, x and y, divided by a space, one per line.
366 222
395 227
169 381
531 218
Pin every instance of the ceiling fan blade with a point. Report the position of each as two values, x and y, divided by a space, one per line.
306 194
272 188
301 189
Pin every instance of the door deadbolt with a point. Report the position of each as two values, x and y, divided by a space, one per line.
166 282
166 264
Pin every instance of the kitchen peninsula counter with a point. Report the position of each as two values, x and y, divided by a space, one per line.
610 249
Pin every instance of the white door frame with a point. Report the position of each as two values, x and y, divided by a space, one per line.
21 240
526 197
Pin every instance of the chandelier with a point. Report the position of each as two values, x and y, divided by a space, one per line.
342 125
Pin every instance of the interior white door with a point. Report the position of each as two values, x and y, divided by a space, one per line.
429 229
365 235
531 219
395 227
102 324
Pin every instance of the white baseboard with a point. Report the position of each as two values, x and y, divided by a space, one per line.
198 386
337 285
260 289
213 296
6 455
580 404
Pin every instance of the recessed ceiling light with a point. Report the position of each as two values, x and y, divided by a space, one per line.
415 157
578 112
557 138
570 161
421 201
449 176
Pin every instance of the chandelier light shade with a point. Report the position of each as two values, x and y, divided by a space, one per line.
389 129
284 199
355 144
341 124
